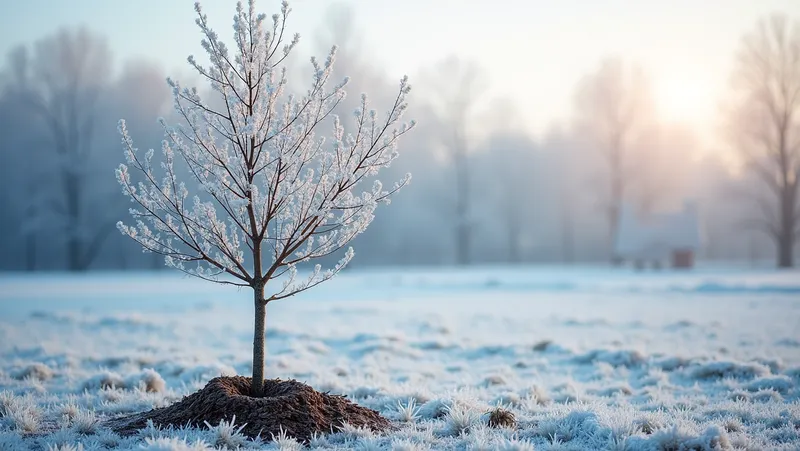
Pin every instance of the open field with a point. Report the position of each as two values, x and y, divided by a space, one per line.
585 358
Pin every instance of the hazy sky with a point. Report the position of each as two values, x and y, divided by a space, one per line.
534 51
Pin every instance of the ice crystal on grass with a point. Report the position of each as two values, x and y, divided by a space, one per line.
227 434
514 445
66 447
725 368
107 438
12 441
37 371
174 444
460 419
350 432
408 445
105 380
151 431
21 412
368 444
148 380
85 422
408 412
286 443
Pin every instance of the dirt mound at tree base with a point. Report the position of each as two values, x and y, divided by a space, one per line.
291 405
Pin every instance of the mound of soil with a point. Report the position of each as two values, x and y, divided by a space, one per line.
297 408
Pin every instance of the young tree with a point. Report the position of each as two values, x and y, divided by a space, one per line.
766 125
274 193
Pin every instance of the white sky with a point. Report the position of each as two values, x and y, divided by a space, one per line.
533 51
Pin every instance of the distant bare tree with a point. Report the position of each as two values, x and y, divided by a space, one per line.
62 84
765 122
19 219
456 85
506 163
611 103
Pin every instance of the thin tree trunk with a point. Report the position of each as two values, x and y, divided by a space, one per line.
462 246
568 239
787 223
513 232
617 193
463 232
30 252
513 244
464 229
259 341
786 251
74 248
613 230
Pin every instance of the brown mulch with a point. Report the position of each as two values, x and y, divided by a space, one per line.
293 406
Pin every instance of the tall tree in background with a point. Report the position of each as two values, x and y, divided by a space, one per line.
504 170
610 105
62 84
274 193
766 126
20 153
510 153
456 86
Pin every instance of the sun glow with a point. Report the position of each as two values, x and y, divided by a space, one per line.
687 100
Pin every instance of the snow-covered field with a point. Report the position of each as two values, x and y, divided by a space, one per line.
589 358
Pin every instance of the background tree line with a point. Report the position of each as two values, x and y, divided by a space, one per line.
484 188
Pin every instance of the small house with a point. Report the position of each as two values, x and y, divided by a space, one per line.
656 239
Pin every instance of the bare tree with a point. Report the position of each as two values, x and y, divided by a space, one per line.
505 166
766 125
274 195
611 104
457 85
62 84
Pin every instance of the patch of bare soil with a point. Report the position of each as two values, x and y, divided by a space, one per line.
291 405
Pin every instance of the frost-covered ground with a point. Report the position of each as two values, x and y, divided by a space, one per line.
584 358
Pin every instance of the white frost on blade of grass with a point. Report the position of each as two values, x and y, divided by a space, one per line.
104 380
781 384
408 445
174 444
625 358
12 441
227 434
460 419
85 422
687 437
726 368
286 443
66 447
350 433
147 380
37 371
367 444
20 412
408 412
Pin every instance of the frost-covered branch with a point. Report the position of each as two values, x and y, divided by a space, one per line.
265 175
